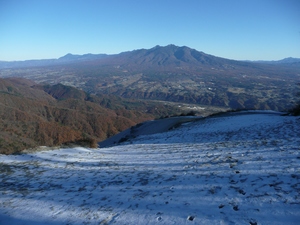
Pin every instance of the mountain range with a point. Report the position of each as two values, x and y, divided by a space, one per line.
68 58
289 61
167 55
173 74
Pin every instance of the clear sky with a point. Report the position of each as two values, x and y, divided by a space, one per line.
235 29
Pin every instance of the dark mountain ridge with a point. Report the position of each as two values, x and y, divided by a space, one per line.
166 57
170 55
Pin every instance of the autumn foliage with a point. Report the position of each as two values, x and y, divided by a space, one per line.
33 115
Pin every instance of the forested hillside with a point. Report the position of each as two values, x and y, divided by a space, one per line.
32 115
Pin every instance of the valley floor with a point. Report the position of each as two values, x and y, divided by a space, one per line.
238 169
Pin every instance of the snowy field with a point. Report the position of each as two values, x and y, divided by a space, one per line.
241 169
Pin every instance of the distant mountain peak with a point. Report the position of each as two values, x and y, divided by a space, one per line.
288 60
169 56
85 57
67 56
170 46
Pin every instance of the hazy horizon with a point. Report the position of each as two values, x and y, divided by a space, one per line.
75 54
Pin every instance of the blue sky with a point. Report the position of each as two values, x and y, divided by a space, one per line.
235 29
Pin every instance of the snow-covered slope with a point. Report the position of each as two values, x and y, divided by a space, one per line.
236 169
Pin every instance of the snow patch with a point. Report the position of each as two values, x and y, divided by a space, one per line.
241 169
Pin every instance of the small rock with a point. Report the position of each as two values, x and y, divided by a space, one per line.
235 208
190 218
221 206
252 222
242 192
